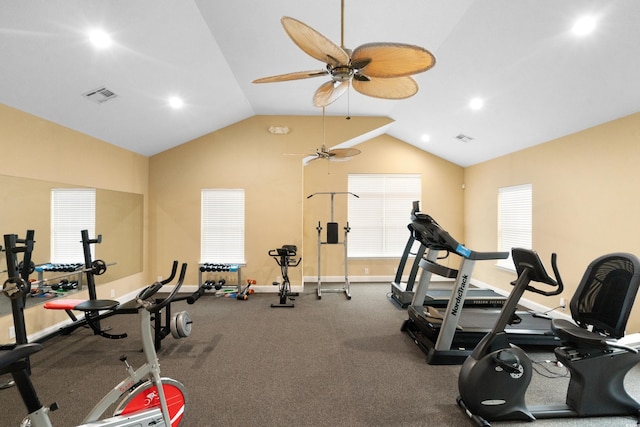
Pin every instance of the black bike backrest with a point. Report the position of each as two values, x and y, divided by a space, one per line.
606 293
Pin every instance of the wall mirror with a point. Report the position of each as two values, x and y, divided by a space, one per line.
25 204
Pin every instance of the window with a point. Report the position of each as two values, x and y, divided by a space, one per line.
72 210
222 226
514 220
379 216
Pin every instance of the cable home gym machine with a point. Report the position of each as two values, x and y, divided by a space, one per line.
447 336
493 381
332 239
402 292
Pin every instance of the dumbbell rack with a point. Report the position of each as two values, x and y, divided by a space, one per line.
222 268
68 270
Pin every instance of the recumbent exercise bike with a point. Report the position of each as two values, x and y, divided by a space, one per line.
145 399
494 378
284 258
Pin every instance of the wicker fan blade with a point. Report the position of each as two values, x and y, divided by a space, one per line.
393 59
291 76
314 43
329 92
342 153
393 88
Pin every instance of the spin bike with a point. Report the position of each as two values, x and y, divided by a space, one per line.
142 402
283 257
494 379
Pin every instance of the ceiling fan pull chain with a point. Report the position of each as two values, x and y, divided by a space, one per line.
349 103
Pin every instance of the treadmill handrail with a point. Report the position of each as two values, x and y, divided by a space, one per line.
487 255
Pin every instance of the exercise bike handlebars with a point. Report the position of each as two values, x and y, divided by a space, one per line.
284 253
145 295
528 261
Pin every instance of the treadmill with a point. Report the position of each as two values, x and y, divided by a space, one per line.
447 336
402 292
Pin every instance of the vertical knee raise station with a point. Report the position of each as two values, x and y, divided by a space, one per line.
333 239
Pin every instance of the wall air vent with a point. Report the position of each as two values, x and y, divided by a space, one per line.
99 95
278 130
464 138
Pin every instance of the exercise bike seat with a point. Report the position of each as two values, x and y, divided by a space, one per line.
9 357
574 334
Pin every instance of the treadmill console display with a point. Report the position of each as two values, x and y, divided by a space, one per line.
428 232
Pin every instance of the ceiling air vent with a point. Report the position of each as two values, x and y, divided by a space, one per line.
99 95
464 138
278 130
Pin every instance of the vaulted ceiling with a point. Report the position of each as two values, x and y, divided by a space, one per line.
538 80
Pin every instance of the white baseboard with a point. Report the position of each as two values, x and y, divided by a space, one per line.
259 289
531 305
352 279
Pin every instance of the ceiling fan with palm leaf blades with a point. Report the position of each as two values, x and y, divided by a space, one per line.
332 154
380 70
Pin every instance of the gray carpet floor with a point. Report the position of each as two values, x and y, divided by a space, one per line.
327 362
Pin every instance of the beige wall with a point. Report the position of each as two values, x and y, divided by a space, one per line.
585 201
245 155
35 148
442 198
584 192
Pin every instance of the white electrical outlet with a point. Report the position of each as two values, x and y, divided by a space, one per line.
113 293
12 332
366 270
563 303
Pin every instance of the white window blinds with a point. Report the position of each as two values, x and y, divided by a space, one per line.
72 210
222 226
514 220
379 216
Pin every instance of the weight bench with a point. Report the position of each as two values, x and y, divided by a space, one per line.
97 309
92 315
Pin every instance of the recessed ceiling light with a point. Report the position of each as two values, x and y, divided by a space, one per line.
175 102
425 138
584 25
100 39
476 104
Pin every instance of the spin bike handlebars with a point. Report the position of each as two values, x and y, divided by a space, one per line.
144 295
285 252
528 262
